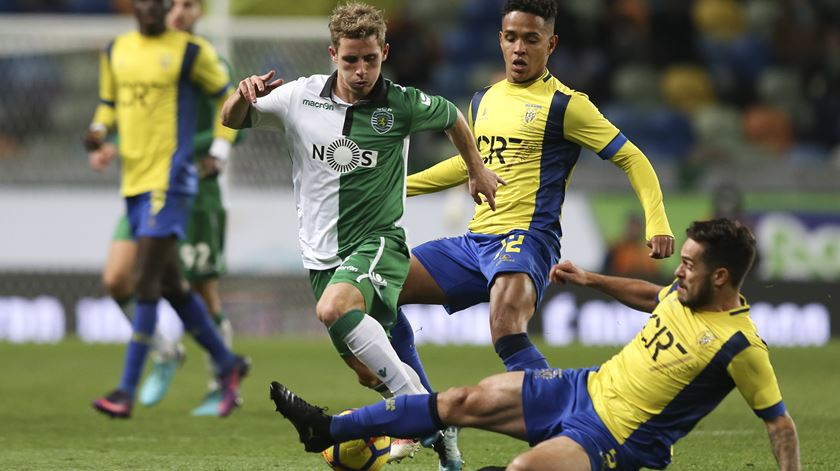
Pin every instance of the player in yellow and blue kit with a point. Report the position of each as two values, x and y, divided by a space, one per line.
201 251
530 129
150 82
697 346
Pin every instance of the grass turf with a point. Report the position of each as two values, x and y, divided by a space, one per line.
46 421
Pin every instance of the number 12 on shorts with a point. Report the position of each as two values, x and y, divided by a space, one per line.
511 244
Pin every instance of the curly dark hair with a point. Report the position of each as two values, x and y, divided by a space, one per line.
546 9
726 243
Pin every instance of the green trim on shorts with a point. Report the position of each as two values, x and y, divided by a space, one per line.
123 230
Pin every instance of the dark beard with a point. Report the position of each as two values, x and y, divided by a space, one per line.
703 297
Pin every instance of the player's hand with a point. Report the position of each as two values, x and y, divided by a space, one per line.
209 166
93 138
484 183
661 246
101 157
255 86
567 272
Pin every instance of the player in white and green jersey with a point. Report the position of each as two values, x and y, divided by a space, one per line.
348 136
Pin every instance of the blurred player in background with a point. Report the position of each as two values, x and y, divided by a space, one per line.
150 86
698 344
530 129
202 250
348 139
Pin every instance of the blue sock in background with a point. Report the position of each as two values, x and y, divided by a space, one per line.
143 328
199 324
518 353
402 339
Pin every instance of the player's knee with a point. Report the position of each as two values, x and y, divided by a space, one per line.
118 286
176 292
522 462
327 312
147 290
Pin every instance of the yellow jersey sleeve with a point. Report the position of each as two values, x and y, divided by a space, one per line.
447 174
756 381
210 74
105 111
585 125
646 185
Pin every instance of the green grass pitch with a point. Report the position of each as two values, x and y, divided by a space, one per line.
46 421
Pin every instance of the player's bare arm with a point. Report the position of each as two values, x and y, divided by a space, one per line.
661 246
250 88
784 441
637 294
482 181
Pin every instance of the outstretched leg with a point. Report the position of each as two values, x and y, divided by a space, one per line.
495 404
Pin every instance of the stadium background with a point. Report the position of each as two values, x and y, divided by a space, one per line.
737 103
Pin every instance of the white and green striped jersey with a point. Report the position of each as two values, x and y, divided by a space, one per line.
348 161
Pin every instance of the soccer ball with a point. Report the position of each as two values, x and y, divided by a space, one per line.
359 455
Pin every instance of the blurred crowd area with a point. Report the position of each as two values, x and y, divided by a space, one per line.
697 84
701 81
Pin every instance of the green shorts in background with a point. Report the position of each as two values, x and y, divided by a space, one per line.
378 268
202 251
123 230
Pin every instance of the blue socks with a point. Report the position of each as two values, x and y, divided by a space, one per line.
518 353
406 416
196 321
402 339
143 328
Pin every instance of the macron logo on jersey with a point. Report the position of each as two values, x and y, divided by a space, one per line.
344 155
318 104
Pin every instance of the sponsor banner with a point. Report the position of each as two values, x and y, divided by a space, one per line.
798 246
786 314
798 234
38 320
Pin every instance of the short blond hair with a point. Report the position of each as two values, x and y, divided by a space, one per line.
357 21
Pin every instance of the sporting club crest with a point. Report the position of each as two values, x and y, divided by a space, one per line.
382 120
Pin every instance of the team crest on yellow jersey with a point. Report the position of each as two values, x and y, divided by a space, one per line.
706 339
531 112
382 120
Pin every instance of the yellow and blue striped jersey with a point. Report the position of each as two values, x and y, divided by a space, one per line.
678 368
531 135
149 88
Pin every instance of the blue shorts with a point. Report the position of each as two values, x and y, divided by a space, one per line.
465 266
556 403
158 214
